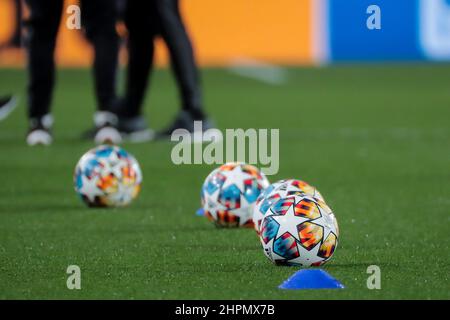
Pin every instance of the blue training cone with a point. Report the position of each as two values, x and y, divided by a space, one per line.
311 279
200 212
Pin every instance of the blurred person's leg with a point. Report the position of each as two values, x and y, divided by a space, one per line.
183 64
42 28
145 20
142 26
99 20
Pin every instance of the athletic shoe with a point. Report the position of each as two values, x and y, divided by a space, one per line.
105 129
39 132
135 129
109 135
106 124
186 121
7 105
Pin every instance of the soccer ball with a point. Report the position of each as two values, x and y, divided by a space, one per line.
230 192
299 230
278 190
107 176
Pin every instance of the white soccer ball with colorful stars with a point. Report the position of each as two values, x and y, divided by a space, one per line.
299 230
229 194
278 190
107 176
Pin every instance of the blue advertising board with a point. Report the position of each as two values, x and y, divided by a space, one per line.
408 30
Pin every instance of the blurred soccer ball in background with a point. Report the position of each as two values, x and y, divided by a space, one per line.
229 194
278 190
107 176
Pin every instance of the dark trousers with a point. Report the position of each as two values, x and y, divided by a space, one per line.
98 18
145 20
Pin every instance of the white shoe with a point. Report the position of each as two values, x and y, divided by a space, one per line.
39 133
105 118
39 137
109 135
106 124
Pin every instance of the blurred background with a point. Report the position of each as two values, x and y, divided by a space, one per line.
287 32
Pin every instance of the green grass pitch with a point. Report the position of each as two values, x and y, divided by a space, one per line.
375 140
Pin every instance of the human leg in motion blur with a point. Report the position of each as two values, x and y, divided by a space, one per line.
145 21
98 17
42 27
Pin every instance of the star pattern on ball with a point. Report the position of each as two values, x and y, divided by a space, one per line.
326 220
313 257
288 223
115 165
236 177
89 188
123 193
213 206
